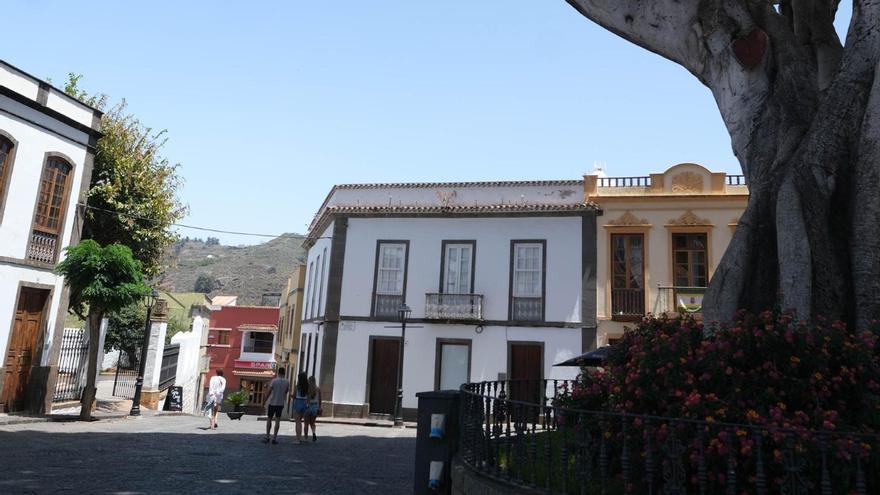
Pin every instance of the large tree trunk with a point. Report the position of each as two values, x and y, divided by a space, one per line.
802 111
89 392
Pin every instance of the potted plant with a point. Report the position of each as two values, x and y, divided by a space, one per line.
237 399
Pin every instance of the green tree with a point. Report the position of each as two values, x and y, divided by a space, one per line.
205 283
101 280
125 329
176 324
133 193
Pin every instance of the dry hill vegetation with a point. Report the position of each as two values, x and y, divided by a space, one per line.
244 271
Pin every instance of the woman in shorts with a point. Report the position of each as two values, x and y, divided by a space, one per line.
314 407
300 404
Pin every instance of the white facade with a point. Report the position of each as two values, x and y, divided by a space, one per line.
481 220
38 124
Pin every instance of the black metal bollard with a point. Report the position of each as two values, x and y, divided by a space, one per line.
434 447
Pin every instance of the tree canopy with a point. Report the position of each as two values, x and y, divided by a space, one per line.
133 191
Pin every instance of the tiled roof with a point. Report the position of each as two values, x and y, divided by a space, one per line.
433 185
436 210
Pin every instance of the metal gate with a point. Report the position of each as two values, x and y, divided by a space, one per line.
168 372
126 374
72 365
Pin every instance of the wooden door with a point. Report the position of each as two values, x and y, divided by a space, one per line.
22 348
526 372
383 375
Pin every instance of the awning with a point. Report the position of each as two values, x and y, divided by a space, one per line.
254 374
592 358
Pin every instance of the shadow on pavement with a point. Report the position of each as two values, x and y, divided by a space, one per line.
134 463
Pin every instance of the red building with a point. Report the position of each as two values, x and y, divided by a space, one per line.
241 342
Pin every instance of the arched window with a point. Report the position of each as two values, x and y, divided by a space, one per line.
5 167
49 218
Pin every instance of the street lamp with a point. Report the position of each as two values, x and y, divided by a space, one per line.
403 313
149 302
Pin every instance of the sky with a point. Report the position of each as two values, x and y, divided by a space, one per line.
268 104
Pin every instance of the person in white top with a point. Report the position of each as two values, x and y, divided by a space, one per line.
216 387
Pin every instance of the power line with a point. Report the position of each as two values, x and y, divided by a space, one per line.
181 225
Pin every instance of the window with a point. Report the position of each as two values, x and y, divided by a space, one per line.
457 267
5 166
50 211
222 337
527 280
308 354
390 280
314 310
321 284
259 342
300 353
309 289
627 275
315 356
689 255
453 364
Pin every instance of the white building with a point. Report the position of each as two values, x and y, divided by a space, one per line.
500 277
47 145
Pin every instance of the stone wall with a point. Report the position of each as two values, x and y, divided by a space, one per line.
467 481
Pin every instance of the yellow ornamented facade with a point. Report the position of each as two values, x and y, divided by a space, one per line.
660 238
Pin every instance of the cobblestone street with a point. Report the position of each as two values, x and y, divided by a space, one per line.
176 454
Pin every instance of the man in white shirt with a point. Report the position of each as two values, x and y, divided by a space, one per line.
216 388
279 389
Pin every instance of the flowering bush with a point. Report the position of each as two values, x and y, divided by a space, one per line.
765 369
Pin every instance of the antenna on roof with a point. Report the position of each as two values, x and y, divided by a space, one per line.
599 169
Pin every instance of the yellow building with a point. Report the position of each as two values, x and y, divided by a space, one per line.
287 347
659 240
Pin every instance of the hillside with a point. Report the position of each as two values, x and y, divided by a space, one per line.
244 271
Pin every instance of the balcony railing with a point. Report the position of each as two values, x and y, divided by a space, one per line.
43 247
387 305
527 309
643 181
627 304
454 306
675 299
735 180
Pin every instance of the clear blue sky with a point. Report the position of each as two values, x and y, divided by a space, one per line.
268 104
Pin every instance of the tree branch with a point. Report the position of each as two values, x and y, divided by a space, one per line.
669 28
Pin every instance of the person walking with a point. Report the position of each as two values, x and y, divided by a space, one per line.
279 390
216 388
300 404
314 407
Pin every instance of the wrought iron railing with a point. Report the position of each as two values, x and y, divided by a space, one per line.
627 303
43 247
641 181
125 378
454 306
72 363
387 305
551 449
678 299
527 309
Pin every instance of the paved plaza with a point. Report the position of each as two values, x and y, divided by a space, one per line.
176 454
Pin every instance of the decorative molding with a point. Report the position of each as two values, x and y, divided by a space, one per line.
628 220
688 219
687 182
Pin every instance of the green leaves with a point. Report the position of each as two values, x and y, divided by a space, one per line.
102 279
133 192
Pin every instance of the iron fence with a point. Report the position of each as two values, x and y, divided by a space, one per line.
126 374
168 371
552 449
72 365
453 306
